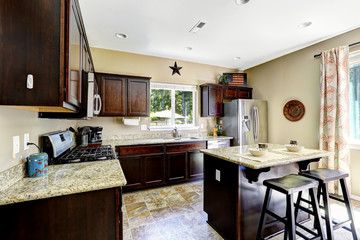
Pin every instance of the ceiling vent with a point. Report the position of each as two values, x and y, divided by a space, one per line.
198 26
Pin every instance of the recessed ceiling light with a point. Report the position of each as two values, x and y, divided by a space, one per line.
188 48
120 35
237 58
304 24
241 1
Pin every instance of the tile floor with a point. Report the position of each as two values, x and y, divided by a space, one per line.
176 212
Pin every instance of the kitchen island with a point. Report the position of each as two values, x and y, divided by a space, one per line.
74 201
233 189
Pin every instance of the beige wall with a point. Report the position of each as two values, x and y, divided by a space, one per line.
16 122
157 68
296 76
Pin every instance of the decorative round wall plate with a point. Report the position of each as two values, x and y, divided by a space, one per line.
294 110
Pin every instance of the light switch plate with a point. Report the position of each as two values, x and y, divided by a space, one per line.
26 140
143 127
16 144
217 175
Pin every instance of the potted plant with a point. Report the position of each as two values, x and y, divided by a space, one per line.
223 79
219 133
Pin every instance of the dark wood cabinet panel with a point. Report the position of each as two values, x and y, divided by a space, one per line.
91 215
124 95
138 97
176 166
160 164
139 149
196 161
177 147
113 95
230 92
245 93
212 96
44 39
133 170
154 170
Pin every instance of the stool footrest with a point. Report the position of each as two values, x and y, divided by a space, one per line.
306 229
306 237
277 217
305 200
340 224
336 198
304 209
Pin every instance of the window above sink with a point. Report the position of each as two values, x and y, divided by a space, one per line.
173 105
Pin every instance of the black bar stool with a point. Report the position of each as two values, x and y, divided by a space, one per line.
323 176
289 185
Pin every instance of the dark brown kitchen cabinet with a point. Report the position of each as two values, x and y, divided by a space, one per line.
213 95
143 165
124 95
113 95
160 164
176 166
132 167
95 215
44 39
211 100
196 162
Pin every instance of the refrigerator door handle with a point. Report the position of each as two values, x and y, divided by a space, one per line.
256 124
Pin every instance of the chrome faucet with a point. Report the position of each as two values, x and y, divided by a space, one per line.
176 133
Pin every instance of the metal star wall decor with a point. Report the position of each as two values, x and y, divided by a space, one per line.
175 69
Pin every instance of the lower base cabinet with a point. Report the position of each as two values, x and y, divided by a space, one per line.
92 215
160 164
176 169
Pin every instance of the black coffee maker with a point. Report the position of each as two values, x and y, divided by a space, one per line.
95 135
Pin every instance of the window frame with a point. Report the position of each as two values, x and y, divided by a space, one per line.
173 87
354 58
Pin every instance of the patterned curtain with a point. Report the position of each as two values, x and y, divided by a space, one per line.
334 111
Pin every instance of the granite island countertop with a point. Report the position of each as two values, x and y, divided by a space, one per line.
277 155
66 179
133 142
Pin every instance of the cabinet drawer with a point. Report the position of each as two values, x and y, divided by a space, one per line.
178 147
136 150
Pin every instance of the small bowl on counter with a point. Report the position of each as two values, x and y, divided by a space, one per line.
258 152
294 148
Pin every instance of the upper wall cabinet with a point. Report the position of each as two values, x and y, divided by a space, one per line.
124 95
43 52
213 95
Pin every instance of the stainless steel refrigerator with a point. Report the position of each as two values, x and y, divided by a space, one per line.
246 121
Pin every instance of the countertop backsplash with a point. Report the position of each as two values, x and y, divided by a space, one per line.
154 135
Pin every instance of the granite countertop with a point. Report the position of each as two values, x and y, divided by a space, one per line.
277 155
66 179
127 142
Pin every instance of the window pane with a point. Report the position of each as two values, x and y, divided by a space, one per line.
183 107
160 107
355 101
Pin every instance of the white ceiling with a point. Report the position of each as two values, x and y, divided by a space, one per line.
258 31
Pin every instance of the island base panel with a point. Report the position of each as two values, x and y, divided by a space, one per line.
89 215
234 204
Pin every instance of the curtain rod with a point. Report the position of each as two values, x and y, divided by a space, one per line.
350 45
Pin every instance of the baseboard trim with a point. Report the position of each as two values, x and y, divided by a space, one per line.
357 198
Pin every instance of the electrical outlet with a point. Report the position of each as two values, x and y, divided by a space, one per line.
16 144
202 125
217 175
143 127
26 140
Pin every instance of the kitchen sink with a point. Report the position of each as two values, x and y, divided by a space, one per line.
187 138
